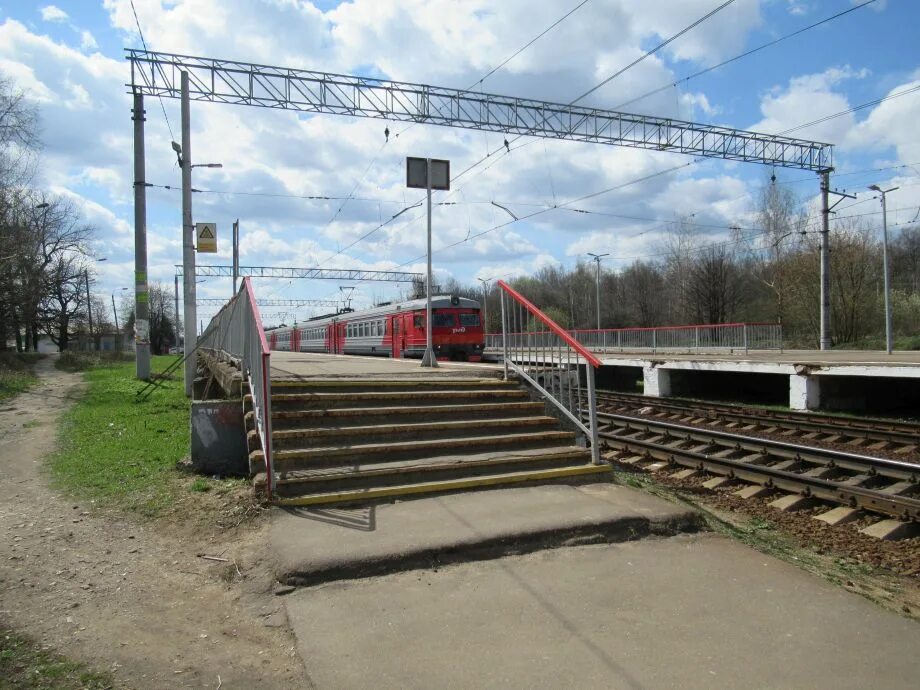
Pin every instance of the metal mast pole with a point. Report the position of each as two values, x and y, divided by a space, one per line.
188 244
236 253
115 312
141 297
825 262
176 304
597 261
889 342
429 360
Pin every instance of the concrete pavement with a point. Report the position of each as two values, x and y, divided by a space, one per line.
692 611
311 545
310 365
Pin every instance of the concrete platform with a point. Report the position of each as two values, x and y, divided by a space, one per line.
308 365
311 545
684 612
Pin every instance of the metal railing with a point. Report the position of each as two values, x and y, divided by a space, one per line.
236 333
693 338
551 361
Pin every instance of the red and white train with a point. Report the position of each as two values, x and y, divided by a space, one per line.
390 330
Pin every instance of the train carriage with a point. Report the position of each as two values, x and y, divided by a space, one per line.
391 330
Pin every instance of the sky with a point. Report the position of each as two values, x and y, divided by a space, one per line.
69 59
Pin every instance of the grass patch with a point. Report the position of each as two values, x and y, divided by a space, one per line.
24 664
72 361
16 373
120 450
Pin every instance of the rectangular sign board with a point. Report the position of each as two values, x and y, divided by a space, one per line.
207 237
417 173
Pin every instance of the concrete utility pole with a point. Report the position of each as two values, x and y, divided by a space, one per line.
188 244
889 342
826 211
141 296
115 313
597 261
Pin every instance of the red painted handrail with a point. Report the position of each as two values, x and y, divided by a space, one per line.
247 282
552 325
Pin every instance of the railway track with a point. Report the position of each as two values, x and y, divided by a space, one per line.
878 485
876 435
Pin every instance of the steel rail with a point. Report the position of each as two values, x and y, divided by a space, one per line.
900 506
767 448
892 431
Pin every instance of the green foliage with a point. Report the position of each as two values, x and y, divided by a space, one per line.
122 450
71 360
24 664
16 373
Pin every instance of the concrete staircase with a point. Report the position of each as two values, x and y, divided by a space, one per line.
354 440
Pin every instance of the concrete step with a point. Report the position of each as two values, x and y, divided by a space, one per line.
286 460
371 474
327 400
359 416
370 384
376 493
399 433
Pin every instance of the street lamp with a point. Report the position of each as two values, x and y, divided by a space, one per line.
883 192
597 261
485 303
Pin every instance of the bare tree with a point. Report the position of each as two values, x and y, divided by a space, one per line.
19 140
714 285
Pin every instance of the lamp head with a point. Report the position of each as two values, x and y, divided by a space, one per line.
875 188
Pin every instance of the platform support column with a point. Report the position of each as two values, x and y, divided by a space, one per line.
804 392
657 382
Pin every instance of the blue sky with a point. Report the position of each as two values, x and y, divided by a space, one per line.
68 56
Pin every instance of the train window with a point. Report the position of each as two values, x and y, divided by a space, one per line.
469 319
383 327
443 320
418 321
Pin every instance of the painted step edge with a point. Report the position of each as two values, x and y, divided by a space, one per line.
400 382
439 487
407 410
412 428
567 455
282 455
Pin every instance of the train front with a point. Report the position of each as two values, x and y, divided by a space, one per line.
456 330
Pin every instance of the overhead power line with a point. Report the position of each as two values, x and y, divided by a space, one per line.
854 109
653 50
745 54
137 22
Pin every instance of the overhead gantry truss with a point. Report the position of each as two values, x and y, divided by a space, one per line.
217 301
228 81
308 273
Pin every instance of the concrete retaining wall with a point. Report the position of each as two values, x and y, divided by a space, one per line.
219 438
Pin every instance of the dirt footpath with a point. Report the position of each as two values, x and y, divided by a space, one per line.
126 596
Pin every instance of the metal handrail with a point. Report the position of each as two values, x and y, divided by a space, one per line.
550 361
236 333
744 336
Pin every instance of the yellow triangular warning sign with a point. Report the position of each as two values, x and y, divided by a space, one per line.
206 233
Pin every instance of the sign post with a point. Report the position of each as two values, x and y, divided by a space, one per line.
428 174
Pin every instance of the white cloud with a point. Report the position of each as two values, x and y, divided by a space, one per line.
52 13
88 41
805 98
